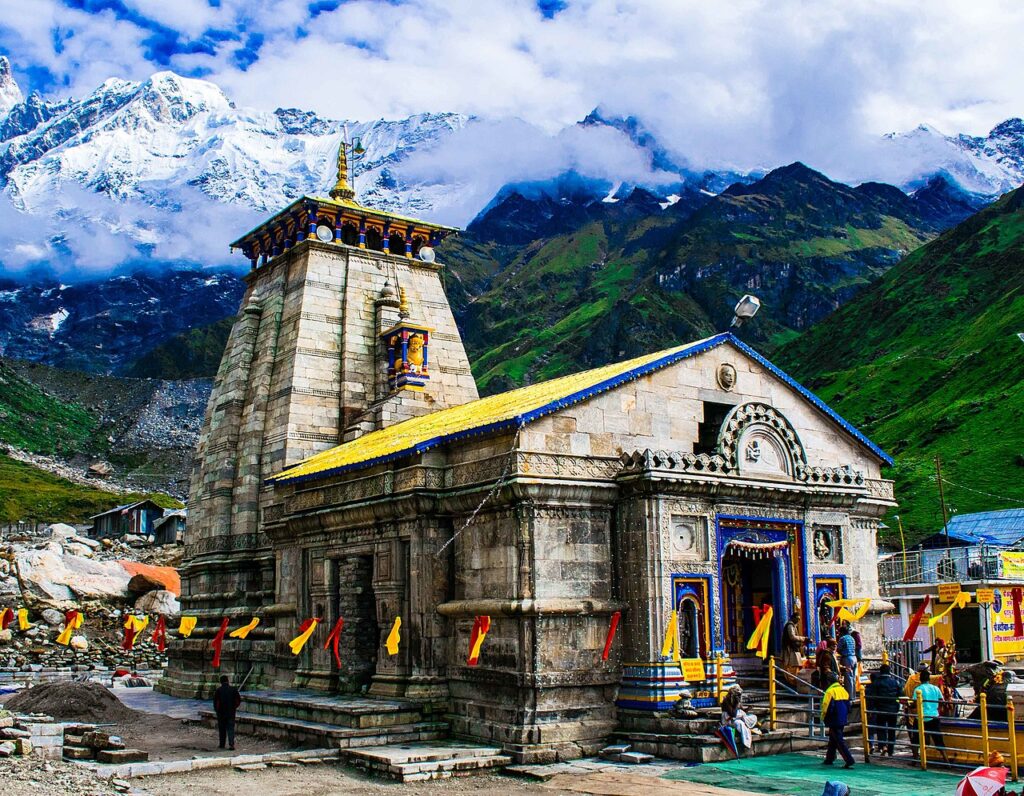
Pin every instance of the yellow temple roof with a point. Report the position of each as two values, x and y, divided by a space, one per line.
513 409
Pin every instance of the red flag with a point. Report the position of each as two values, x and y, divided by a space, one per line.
611 634
217 641
160 633
334 638
129 638
476 639
1018 625
915 620
6 618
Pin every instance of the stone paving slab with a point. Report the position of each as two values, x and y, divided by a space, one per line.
147 700
184 766
420 753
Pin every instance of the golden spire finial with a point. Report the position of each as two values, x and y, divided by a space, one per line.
403 304
342 191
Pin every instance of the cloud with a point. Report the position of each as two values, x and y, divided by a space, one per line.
83 234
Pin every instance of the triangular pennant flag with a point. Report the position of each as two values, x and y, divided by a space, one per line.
476 638
129 635
333 640
6 617
186 626
218 642
72 621
670 646
244 631
160 633
394 637
23 623
915 620
960 601
611 634
759 638
306 630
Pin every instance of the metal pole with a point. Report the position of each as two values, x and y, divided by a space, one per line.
718 678
903 546
865 734
921 750
771 693
942 500
983 706
1011 725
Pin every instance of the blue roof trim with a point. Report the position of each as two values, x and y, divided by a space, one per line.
601 387
819 404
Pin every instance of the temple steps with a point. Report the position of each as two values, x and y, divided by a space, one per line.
337 710
304 731
427 761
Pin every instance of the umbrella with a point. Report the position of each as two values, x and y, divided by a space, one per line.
982 781
728 739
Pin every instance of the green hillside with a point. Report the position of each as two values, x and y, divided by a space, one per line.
633 277
189 355
927 362
33 420
28 493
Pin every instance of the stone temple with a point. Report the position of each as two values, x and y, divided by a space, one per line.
348 468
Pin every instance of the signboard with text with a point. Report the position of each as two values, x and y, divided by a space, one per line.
948 592
693 670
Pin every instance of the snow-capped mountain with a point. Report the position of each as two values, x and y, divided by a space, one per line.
10 92
141 141
987 165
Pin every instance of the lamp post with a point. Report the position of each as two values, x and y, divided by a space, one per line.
745 309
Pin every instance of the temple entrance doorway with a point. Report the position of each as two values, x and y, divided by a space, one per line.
357 604
749 584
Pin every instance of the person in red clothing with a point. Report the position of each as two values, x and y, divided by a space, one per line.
226 700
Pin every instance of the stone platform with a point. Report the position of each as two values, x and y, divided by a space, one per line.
426 761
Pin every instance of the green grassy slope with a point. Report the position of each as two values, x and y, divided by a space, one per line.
630 281
189 355
32 420
927 362
28 493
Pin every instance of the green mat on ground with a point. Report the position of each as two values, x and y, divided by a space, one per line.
804 775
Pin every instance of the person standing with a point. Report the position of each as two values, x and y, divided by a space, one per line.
846 648
835 709
931 698
226 700
825 664
883 702
793 644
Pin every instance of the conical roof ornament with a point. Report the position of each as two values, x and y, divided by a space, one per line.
342 191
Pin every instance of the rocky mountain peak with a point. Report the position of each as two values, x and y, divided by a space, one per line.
10 92
1010 128
173 98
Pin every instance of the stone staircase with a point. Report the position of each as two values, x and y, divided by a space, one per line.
345 722
426 761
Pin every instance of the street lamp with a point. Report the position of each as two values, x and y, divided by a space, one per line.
745 309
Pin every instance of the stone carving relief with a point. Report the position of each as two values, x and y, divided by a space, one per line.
826 543
689 536
726 376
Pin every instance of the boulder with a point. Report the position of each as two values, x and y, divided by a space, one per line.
143 584
53 617
159 601
60 531
63 577
6 636
6 749
85 540
80 643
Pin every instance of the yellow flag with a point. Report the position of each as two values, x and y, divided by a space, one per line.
759 638
242 632
187 625
862 605
23 623
136 623
961 601
394 637
670 646
300 640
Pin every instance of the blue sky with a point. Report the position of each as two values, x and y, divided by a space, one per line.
753 77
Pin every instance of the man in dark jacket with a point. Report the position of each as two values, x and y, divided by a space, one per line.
226 700
835 708
883 701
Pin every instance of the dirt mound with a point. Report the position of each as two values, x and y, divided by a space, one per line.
88 702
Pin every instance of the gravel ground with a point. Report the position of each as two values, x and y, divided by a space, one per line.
322 780
31 776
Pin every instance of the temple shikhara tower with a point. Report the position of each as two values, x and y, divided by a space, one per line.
348 469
